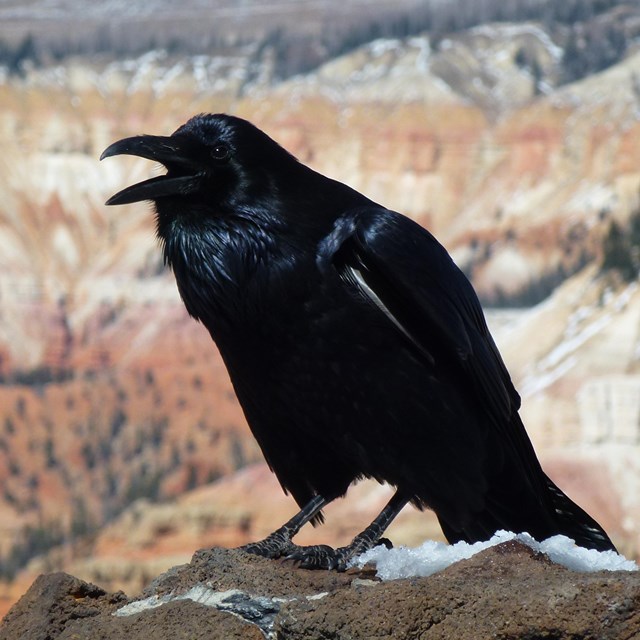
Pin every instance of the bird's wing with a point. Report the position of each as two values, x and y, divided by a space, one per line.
411 278
403 270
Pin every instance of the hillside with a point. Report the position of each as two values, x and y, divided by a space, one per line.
296 36
110 393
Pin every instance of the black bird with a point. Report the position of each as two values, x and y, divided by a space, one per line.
355 345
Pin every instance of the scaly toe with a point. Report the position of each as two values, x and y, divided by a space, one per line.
319 556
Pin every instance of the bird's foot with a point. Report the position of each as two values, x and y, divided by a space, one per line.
279 543
321 556
275 545
317 556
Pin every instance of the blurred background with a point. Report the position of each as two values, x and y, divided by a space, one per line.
510 128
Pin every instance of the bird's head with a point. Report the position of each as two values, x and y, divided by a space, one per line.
215 163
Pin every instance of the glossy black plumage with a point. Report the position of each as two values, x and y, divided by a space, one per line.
355 345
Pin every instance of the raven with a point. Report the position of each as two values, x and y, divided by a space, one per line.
355 345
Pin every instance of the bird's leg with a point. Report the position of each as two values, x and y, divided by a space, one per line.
279 543
324 557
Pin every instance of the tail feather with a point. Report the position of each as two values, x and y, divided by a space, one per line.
525 510
576 523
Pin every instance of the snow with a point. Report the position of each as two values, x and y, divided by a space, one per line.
424 52
431 556
512 31
582 325
533 384
571 343
382 46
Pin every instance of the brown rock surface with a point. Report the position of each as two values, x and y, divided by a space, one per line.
52 601
505 592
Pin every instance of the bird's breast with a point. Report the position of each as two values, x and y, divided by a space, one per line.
310 335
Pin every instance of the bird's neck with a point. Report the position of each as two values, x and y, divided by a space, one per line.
220 267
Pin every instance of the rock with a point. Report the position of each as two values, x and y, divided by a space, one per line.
507 592
52 602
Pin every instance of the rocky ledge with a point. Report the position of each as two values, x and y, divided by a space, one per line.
506 592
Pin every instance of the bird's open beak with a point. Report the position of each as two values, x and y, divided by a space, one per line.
173 152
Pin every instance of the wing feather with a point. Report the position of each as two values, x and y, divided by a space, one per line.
410 276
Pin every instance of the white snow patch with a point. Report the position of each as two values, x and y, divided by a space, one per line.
571 344
540 381
383 45
592 197
516 30
624 298
580 328
577 318
424 53
431 556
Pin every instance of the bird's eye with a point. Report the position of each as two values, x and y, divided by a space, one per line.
220 152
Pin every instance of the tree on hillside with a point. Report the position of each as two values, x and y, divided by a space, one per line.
621 248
